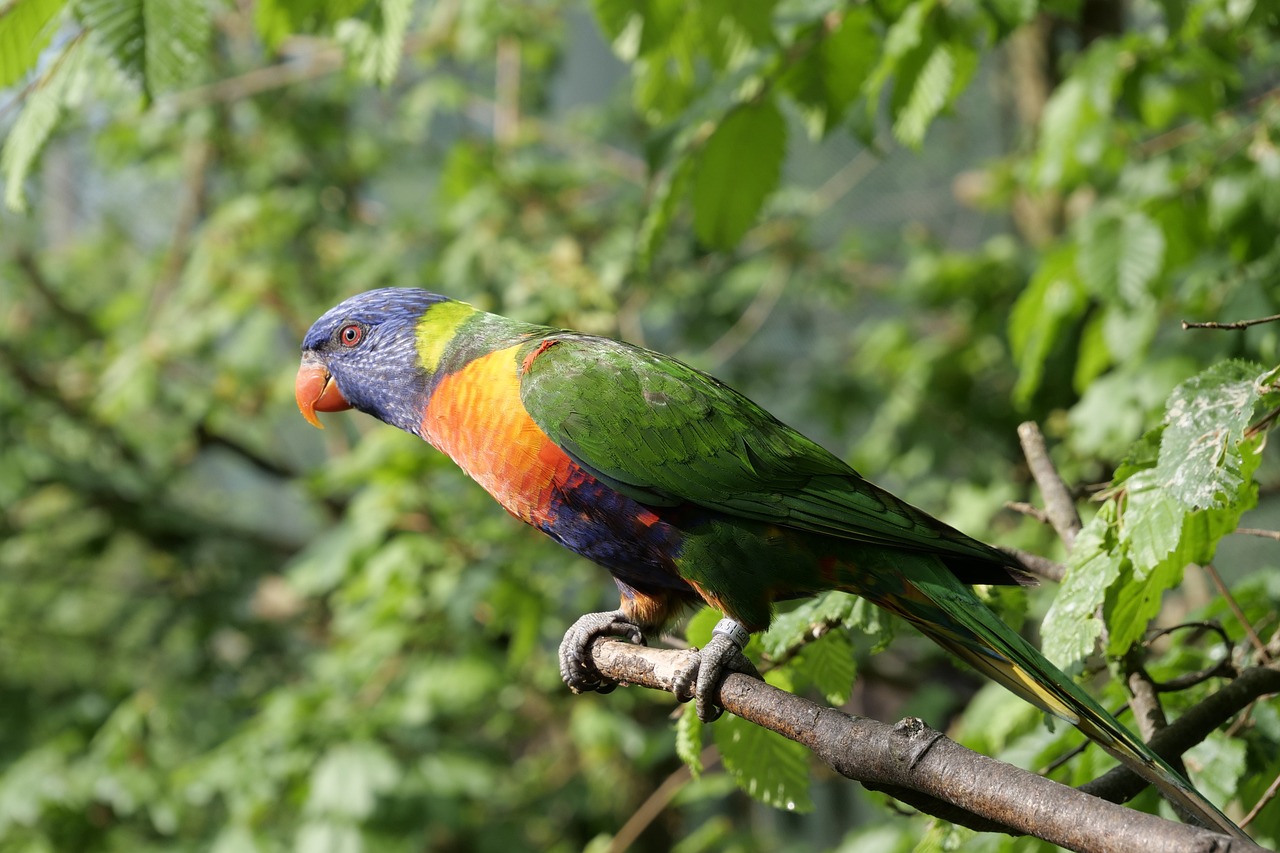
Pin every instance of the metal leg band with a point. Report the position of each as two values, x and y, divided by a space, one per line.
733 631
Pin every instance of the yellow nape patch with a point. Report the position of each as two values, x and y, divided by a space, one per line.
436 329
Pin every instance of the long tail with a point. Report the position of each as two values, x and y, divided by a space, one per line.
948 612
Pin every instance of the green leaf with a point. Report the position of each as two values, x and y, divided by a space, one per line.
1177 505
660 211
766 765
1011 14
1052 301
1093 355
1230 196
374 48
1075 127
329 836
177 38
1217 764
277 20
828 664
697 631
24 32
1135 601
1119 405
40 114
754 18
160 44
826 79
1142 454
1152 522
1071 628
348 779
1162 536
796 626
1201 458
1121 253
903 39
689 731
930 92
737 169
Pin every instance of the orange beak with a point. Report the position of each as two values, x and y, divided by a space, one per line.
317 392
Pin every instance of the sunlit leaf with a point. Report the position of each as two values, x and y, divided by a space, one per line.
830 75
1052 301
738 166
689 731
796 626
40 115
349 778
766 765
1071 628
668 190
1121 253
828 664
374 48
24 32
160 44
1200 453
929 92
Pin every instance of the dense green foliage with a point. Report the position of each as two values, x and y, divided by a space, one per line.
905 226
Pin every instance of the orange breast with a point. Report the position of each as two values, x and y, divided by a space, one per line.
476 417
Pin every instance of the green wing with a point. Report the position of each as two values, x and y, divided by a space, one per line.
665 433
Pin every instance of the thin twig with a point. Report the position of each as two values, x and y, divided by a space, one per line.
1266 798
1260 646
320 62
1050 570
1262 424
1065 757
506 107
659 800
1224 668
1254 531
751 320
78 320
1192 727
1058 504
1174 137
1238 324
1030 510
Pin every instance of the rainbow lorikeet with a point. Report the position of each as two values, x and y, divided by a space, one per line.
686 491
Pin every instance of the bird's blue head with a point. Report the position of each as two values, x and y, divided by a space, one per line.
362 354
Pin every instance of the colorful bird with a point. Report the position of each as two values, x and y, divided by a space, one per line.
686 491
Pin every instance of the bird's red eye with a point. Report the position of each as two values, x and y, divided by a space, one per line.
350 335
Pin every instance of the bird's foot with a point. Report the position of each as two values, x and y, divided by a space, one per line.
576 668
700 681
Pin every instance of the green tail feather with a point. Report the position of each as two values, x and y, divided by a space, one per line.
947 612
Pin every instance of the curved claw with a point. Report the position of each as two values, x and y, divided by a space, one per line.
576 668
701 680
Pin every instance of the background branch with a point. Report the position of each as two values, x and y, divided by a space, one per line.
1191 728
1058 504
925 769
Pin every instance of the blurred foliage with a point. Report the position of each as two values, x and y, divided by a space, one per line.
905 226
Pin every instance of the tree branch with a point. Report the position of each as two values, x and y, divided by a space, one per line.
1238 324
1191 728
1042 566
923 768
1058 504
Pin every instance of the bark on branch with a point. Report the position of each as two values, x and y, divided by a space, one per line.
925 769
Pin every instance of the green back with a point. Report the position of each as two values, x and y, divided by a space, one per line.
664 433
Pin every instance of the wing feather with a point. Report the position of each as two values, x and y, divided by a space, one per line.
666 433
